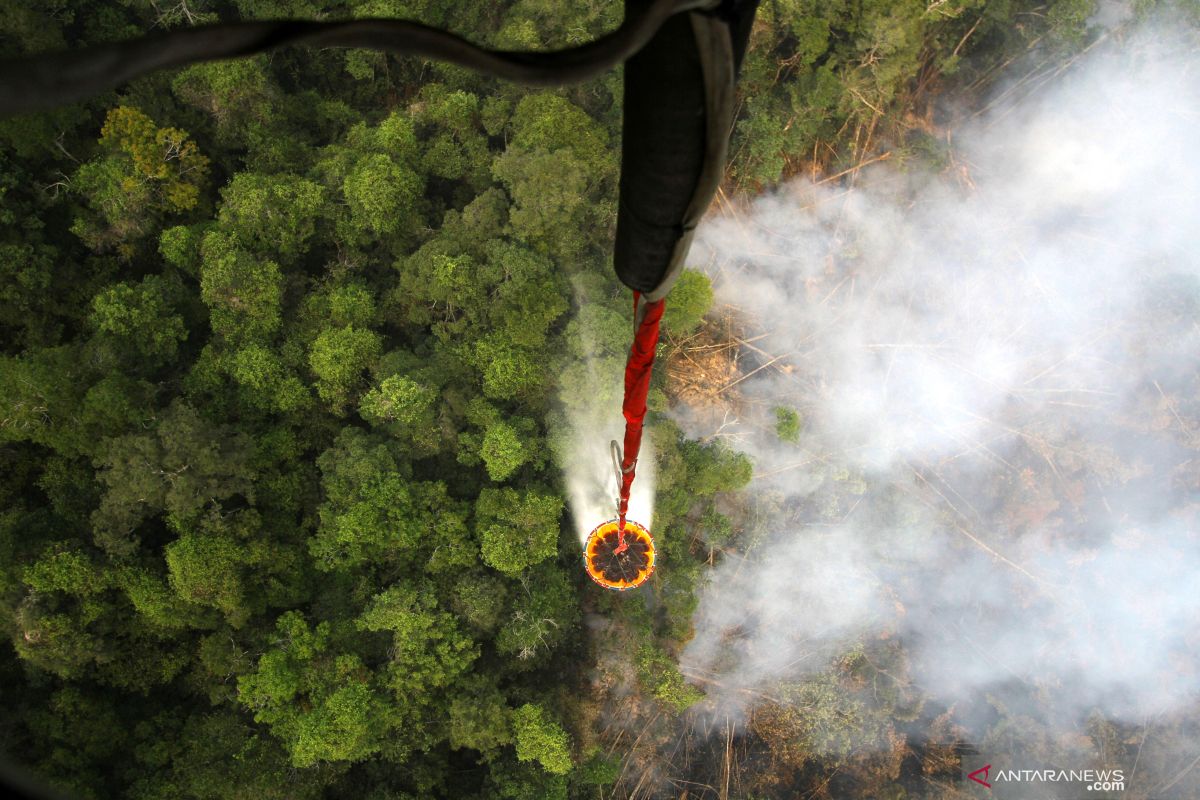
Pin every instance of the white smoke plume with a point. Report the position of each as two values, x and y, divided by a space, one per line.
997 369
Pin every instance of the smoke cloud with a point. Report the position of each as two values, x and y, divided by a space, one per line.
996 367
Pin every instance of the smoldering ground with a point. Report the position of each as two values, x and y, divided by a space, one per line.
995 362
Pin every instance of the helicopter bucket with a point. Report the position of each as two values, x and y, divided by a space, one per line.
617 562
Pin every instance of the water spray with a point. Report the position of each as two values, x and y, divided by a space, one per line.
619 554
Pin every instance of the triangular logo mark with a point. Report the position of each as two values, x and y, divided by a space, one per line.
982 781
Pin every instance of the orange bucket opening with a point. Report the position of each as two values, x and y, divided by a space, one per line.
622 570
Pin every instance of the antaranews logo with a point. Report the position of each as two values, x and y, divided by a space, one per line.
1009 782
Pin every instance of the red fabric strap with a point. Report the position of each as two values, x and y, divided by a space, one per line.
637 385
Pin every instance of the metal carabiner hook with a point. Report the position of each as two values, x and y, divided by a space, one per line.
617 457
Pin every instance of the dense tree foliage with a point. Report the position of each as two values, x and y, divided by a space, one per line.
285 344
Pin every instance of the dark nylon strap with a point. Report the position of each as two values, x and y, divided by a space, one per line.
44 81
679 113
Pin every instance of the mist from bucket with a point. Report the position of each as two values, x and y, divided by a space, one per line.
591 389
592 481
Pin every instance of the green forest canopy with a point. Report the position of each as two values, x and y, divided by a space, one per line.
285 342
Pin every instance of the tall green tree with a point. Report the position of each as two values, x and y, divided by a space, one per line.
143 173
